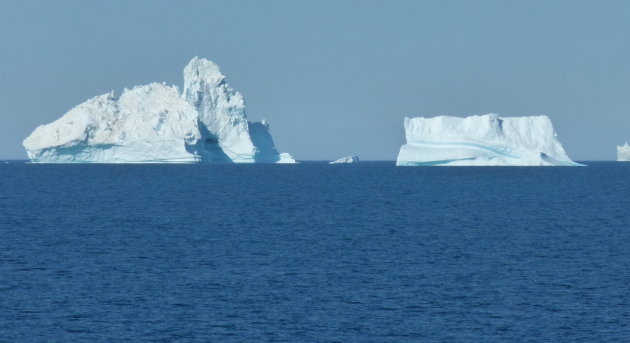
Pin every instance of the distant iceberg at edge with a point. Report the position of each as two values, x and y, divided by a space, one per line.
623 152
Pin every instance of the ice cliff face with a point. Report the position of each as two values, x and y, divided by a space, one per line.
154 123
487 140
623 152
347 159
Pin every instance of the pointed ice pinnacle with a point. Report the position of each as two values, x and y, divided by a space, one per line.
221 110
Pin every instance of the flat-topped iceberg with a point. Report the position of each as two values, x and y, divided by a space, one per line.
485 140
156 124
346 160
623 152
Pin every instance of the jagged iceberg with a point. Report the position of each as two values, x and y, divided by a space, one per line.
155 124
345 160
623 152
485 140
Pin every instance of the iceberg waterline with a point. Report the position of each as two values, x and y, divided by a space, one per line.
486 140
154 123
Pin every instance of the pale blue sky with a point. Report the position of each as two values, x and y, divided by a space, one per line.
332 77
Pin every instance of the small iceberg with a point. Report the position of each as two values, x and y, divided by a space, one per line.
345 160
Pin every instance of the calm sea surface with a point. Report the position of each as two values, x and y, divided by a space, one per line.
314 253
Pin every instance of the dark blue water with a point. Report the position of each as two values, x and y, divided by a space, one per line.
314 253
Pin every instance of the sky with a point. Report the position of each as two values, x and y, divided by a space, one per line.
333 78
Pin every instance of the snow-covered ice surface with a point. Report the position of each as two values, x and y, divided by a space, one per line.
155 124
623 152
344 160
485 140
149 123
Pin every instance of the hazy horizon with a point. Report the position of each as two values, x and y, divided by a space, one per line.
333 78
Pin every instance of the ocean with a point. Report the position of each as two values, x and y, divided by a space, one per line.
314 253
